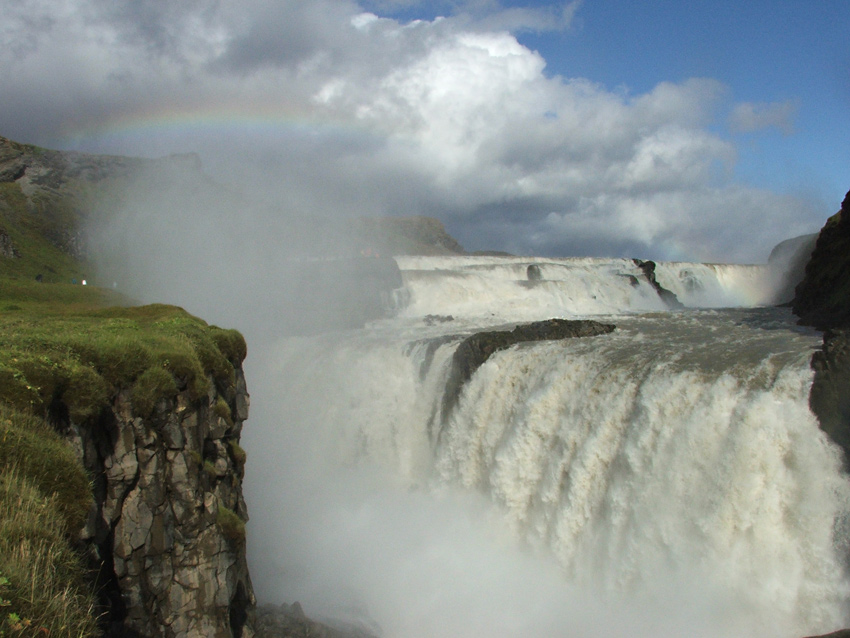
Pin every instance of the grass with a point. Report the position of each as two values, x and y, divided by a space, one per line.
38 227
44 499
72 351
65 351
231 525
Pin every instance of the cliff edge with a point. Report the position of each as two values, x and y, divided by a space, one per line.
822 299
152 401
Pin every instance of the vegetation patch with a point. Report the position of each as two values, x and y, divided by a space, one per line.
30 445
74 352
44 499
65 352
231 525
239 456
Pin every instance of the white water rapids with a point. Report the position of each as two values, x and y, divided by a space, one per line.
667 479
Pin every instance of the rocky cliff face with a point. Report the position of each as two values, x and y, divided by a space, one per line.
167 530
822 299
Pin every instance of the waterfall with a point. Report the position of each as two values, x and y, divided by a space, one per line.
665 479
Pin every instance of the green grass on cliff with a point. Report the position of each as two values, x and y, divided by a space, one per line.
38 227
44 500
65 350
60 347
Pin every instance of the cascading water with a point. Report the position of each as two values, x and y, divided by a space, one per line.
664 479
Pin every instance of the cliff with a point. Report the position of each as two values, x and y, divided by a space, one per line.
152 401
128 416
167 531
474 350
822 299
414 235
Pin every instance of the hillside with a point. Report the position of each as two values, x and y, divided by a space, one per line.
101 403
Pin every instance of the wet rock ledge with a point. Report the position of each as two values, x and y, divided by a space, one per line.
475 350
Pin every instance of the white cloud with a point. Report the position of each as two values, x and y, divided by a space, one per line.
749 117
451 117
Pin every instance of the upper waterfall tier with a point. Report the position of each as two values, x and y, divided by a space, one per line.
526 289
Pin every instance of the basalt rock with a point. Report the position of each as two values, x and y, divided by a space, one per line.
667 296
822 299
475 350
829 397
167 530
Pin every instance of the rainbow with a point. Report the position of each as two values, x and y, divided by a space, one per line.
176 130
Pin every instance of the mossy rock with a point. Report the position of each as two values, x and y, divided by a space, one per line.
155 383
232 527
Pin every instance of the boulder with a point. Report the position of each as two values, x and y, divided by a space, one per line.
667 296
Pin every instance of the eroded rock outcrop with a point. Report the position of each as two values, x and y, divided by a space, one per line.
829 398
168 526
667 296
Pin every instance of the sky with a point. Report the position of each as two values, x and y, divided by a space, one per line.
706 130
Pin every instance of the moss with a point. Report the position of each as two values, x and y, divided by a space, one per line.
230 343
86 394
231 525
154 384
73 349
222 410
239 456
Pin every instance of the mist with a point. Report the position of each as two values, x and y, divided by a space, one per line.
305 116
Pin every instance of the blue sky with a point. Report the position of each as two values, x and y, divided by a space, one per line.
764 51
701 130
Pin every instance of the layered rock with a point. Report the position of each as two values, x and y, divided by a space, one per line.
822 299
167 530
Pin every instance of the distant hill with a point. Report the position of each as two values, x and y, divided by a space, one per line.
47 196
416 235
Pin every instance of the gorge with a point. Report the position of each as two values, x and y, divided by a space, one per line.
430 454
668 477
